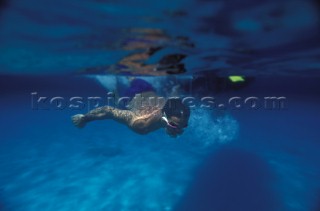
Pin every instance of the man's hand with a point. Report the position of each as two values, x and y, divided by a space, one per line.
78 120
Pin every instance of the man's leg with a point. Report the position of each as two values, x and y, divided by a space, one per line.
101 113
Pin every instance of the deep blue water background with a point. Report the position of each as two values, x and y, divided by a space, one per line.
243 160
270 164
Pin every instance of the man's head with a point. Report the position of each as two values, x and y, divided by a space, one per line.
176 116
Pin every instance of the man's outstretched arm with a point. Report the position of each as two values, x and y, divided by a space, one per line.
101 113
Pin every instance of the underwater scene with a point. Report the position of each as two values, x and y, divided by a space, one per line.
182 105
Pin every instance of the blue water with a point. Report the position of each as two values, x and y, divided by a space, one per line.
227 159
238 160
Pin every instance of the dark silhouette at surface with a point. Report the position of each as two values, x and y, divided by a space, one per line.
208 82
142 45
232 179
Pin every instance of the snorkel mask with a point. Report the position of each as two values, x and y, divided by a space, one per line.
164 118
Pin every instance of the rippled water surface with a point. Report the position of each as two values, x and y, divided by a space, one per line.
247 37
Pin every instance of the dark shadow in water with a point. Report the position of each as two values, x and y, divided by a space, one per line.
232 179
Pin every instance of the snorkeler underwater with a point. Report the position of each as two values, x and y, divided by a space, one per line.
181 105
143 117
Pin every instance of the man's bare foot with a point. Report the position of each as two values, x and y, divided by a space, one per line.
78 120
